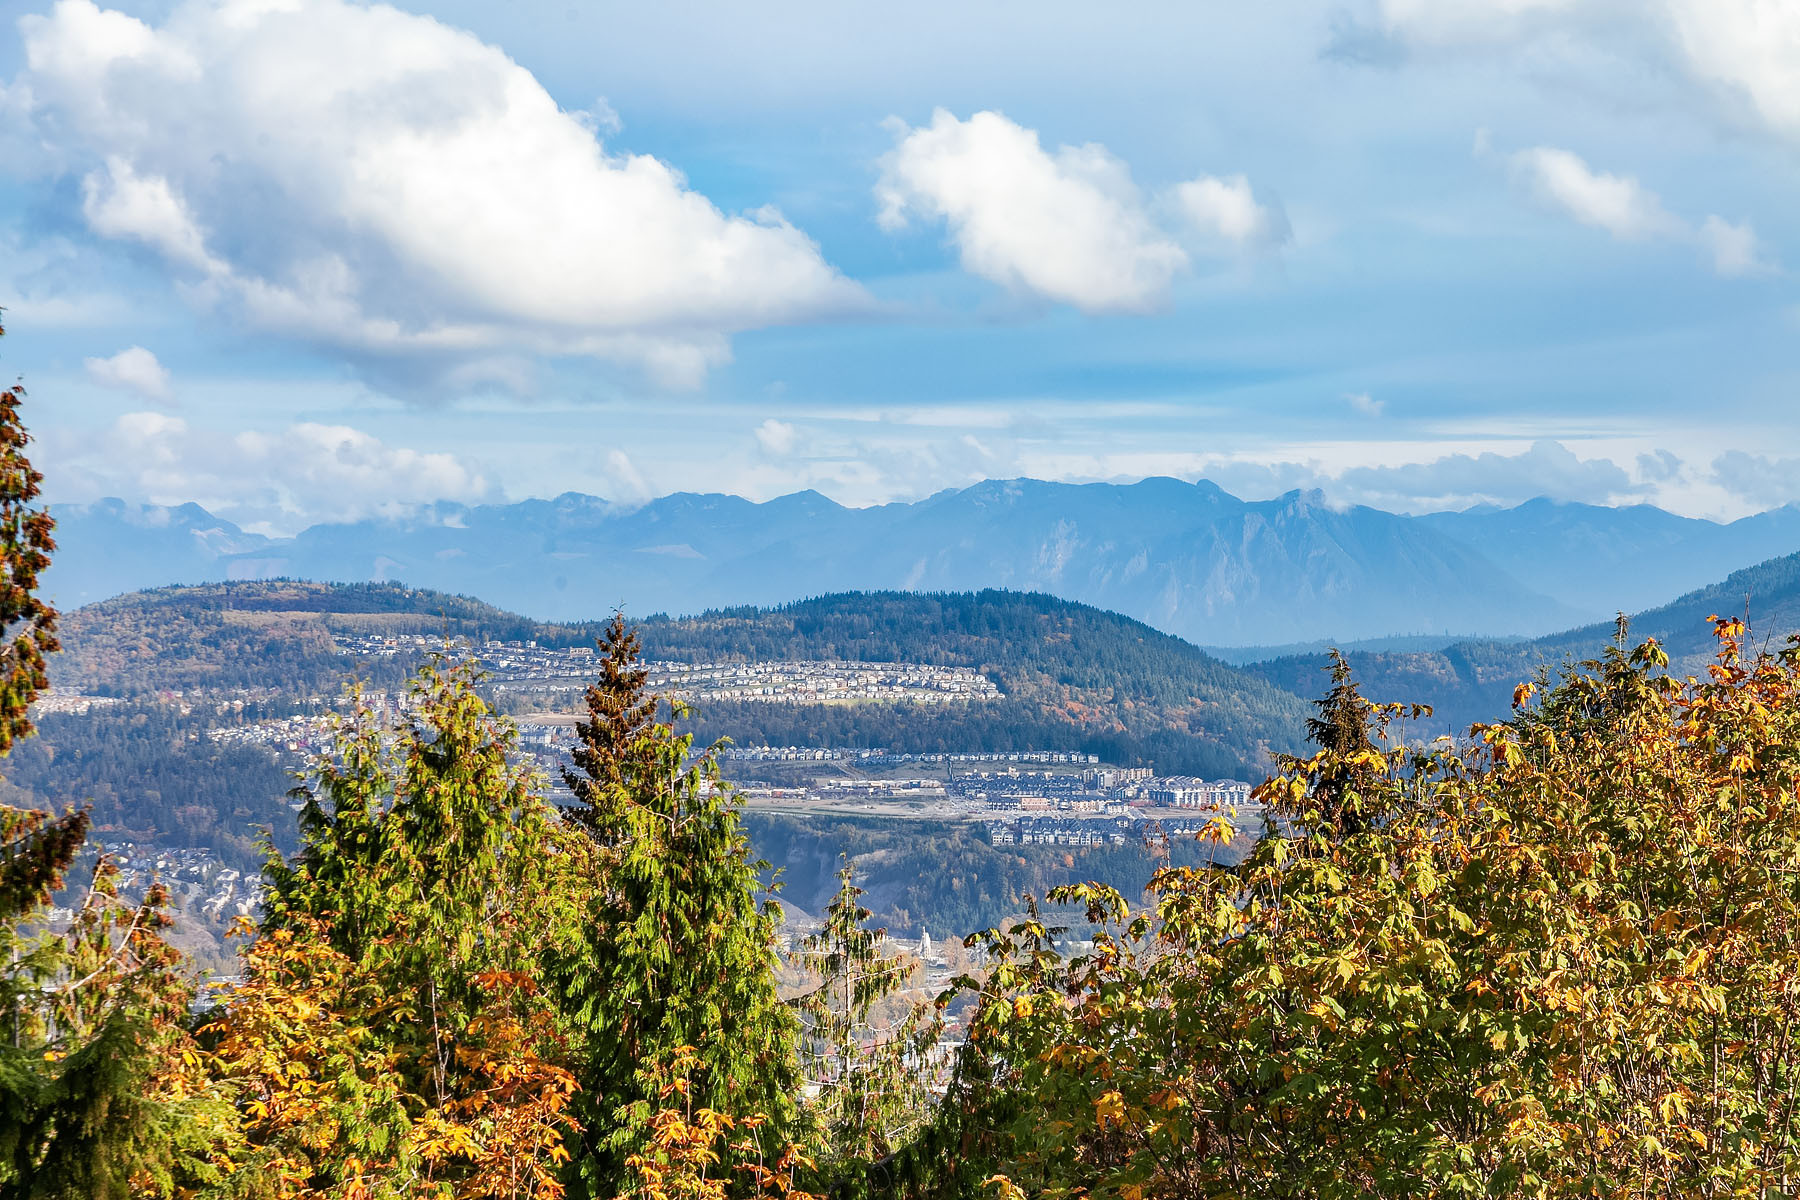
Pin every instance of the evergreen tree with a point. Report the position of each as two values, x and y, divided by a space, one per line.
675 959
871 1083
1343 775
620 714
392 1036
27 622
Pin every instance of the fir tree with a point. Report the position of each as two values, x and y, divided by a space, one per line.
675 956
1342 779
27 622
871 1085
621 713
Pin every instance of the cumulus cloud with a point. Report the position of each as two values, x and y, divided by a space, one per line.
1618 204
1547 468
274 481
1662 466
1452 481
1226 209
1746 52
1763 481
134 369
1365 404
1733 249
1748 48
1069 225
384 183
776 438
621 481
1629 211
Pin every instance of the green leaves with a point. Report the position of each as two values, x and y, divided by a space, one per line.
669 946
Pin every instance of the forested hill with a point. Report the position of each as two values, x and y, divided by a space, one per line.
1474 680
261 634
1074 677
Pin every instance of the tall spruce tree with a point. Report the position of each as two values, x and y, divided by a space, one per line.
676 957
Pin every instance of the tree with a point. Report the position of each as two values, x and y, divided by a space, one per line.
674 949
27 622
1567 963
621 713
392 1038
1343 775
872 1085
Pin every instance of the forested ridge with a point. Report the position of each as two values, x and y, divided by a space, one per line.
1074 677
1473 680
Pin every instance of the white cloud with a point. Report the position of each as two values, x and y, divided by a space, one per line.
1365 404
1618 204
622 482
1750 48
777 438
1746 51
1228 210
133 370
1763 481
1069 226
1628 210
277 480
382 182
1733 248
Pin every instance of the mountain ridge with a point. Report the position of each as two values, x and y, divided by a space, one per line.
1187 558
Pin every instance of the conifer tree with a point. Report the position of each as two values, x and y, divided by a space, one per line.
392 1036
621 712
871 1085
1339 800
675 956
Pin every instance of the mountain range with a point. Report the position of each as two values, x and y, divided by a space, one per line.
1187 558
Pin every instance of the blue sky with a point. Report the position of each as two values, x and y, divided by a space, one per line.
307 260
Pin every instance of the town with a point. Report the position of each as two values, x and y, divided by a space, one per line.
555 677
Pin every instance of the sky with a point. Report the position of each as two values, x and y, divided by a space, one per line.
314 260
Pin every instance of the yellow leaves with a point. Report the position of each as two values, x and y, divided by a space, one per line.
1109 1109
1003 1188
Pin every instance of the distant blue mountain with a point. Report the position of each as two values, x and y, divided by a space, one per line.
1188 558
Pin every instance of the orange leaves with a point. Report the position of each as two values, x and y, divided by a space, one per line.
326 1110
704 1154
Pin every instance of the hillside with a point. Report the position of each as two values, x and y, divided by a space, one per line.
1073 677
274 636
1474 680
